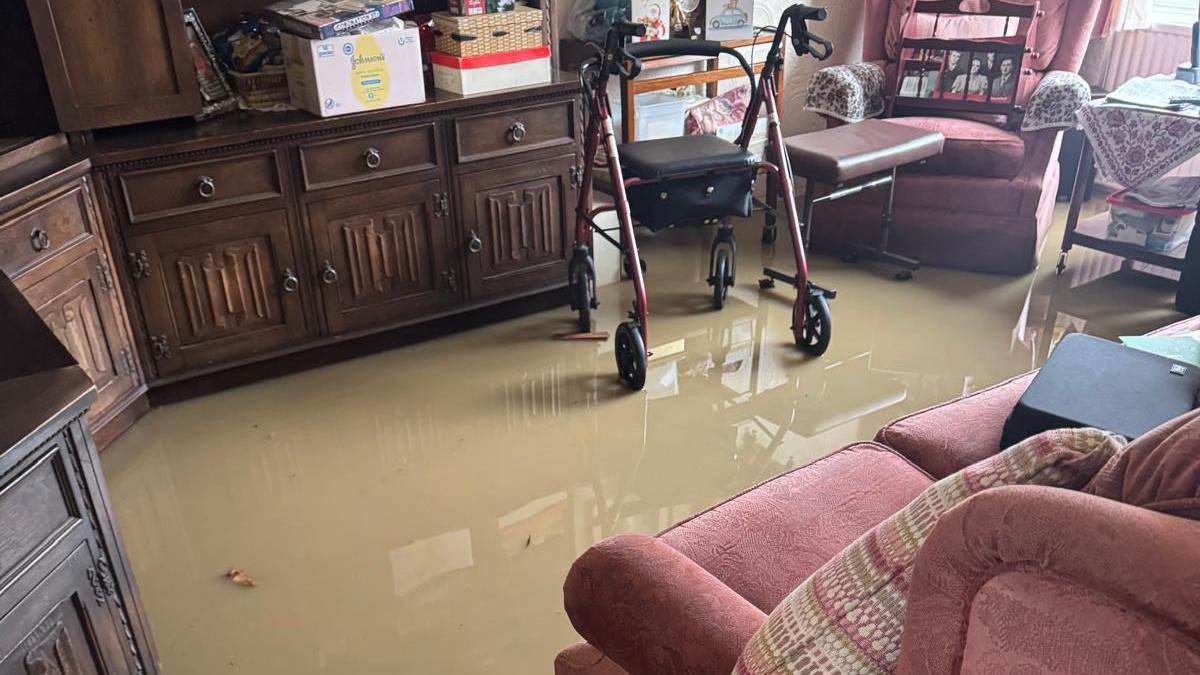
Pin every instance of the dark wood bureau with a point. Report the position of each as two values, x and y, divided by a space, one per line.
255 234
68 602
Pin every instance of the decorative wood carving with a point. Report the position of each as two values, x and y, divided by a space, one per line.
100 577
227 289
384 252
51 651
75 322
522 223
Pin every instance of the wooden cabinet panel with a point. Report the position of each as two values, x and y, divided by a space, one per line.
110 63
218 291
50 224
197 186
514 130
369 156
80 305
36 507
64 626
383 256
516 222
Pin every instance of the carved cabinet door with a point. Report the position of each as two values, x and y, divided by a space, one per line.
218 291
79 303
64 626
382 256
515 226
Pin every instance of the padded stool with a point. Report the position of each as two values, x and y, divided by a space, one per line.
856 157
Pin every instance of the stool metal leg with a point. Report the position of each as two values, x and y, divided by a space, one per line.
856 250
809 201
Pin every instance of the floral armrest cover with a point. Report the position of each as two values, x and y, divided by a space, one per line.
850 93
1055 101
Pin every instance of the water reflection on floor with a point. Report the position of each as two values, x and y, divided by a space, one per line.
415 511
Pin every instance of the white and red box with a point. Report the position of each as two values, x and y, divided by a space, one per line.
467 75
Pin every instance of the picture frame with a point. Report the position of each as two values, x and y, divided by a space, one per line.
216 95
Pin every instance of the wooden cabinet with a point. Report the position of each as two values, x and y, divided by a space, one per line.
68 603
52 246
517 222
383 256
218 291
110 63
63 626
313 230
79 303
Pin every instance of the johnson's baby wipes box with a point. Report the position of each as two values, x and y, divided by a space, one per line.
350 74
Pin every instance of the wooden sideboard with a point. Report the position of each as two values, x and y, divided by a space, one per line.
68 601
52 245
258 234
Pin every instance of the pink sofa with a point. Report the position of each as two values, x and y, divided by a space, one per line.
1043 580
985 205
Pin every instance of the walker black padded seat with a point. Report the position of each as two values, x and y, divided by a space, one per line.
694 180
679 155
855 157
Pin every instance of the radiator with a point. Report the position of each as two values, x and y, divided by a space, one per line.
1112 60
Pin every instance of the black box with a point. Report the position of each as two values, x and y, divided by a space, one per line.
1090 382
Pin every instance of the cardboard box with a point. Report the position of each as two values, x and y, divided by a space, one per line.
491 72
728 19
320 19
354 73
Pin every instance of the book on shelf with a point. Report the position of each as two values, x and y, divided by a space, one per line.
321 19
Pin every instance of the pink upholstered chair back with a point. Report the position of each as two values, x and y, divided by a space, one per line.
1059 42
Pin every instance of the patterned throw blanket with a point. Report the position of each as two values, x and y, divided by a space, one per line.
848 617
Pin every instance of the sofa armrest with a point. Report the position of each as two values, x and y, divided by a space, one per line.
1055 100
1131 564
850 93
653 610
954 435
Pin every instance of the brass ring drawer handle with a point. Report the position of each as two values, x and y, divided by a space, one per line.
291 283
373 158
206 187
328 274
516 133
39 239
474 245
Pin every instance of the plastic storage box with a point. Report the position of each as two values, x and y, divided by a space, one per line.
660 114
1155 228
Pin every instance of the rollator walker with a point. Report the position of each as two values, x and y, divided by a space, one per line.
689 180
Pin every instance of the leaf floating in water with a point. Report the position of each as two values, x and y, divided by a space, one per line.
240 578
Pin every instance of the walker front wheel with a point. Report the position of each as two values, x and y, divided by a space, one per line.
721 278
812 323
631 356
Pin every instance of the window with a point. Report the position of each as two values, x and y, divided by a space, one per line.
1174 12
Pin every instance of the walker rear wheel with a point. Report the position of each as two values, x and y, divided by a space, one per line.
631 356
581 296
812 323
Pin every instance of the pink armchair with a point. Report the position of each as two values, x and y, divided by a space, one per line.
985 204
1016 579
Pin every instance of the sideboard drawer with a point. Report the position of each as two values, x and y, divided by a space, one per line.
196 186
44 228
36 507
507 132
369 156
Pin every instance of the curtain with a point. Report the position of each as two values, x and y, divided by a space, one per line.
1120 15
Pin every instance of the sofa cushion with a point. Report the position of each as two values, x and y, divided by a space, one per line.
769 538
971 148
848 616
1159 470
952 435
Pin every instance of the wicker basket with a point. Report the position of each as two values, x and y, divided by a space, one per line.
488 33
268 85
